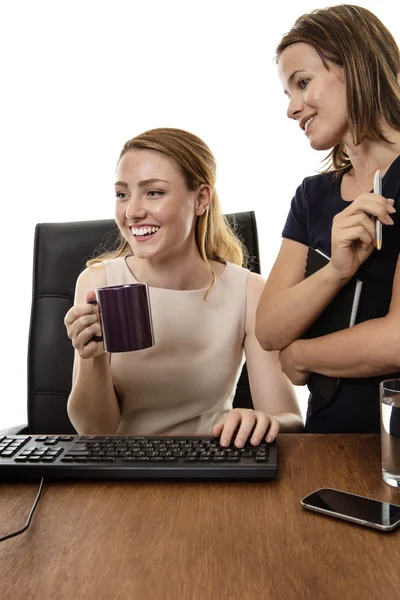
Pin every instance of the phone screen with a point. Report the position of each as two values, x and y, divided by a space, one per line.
356 507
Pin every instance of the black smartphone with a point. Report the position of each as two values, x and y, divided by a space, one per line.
356 509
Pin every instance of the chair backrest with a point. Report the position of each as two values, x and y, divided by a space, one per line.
60 253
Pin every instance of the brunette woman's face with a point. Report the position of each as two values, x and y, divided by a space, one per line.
317 96
155 211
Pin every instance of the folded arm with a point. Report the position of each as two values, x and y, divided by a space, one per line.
289 303
365 350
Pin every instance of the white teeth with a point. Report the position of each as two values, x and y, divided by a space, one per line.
306 124
143 230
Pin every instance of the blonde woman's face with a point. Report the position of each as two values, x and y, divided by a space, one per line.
317 96
155 211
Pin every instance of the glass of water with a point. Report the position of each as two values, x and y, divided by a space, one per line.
390 430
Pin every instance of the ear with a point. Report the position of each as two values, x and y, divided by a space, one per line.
203 199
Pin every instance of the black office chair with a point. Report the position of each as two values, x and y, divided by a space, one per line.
60 253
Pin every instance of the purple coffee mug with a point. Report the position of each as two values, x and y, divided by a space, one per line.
125 317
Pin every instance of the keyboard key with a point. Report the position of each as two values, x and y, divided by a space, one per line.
54 452
52 441
8 452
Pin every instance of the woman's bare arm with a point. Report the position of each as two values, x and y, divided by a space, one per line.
271 390
92 405
290 303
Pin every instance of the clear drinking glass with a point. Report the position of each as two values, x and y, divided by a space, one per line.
390 430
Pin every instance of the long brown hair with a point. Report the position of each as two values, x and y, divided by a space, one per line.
214 236
355 39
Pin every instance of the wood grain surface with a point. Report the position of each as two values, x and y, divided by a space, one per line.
205 540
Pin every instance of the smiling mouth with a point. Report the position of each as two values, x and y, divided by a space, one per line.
142 234
308 122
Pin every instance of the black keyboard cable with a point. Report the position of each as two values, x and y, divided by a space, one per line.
25 527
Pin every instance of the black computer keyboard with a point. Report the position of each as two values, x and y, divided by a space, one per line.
119 457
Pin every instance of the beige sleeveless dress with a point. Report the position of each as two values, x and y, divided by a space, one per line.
186 382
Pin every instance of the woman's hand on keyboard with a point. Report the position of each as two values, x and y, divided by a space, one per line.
246 422
82 324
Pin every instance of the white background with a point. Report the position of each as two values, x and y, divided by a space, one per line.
79 78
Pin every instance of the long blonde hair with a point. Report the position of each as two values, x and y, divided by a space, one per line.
355 39
215 238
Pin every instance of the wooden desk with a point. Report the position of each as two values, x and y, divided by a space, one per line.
201 541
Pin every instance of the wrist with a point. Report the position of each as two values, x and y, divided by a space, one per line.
333 277
94 364
298 355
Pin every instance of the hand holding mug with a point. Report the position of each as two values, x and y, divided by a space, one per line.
82 325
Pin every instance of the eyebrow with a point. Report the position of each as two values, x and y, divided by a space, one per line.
141 183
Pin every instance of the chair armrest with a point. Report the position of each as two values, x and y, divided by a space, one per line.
16 430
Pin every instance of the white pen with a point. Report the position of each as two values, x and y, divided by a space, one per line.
378 223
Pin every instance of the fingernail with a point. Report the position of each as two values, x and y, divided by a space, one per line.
224 442
389 220
390 208
269 438
255 441
239 443
390 200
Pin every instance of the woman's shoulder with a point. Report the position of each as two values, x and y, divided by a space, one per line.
96 273
255 284
315 184
93 274
231 270
253 281
309 193
113 262
90 279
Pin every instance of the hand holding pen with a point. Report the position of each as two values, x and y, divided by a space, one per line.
357 229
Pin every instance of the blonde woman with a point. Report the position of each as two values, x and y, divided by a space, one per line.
340 69
175 239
